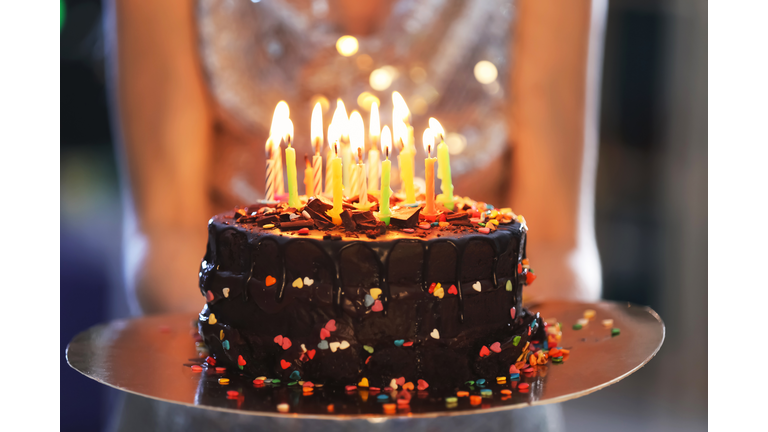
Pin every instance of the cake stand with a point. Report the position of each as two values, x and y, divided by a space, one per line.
152 357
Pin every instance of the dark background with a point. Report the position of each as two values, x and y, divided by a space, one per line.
651 214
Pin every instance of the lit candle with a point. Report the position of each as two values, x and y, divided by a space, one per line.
317 159
341 119
403 134
386 168
334 133
290 163
328 157
357 142
374 159
429 172
309 174
444 165
405 161
269 186
275 131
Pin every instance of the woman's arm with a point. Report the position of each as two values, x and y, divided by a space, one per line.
165 130
555 86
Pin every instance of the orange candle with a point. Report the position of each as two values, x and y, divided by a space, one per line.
429 172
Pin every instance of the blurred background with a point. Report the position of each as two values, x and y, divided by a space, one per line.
651 213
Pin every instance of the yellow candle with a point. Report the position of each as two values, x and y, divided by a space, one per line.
338 188
429 172
290 163
386 168
341 120
444 164
374 159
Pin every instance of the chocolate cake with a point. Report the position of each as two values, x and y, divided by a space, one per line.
426 301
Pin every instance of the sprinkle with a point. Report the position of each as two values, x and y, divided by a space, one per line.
221 369
225 344
607 323
225 291
295 375
484 230
258 382
582 321
475 399
399 342
268 226
382 397
480 382
298 283
509 287
506 391
334 346
523 386
486 393
422 385
501 380
283 407
435 224
377 306
304 231
212 319
514 376
477 286
435 334
223 381
516 340
589 314
425 225
453 290
211 361
557 359
443 224
329 408
408 230
323 345
240 360
284 364
368 300
496 347
308 281
615 331
389 408
462 393
484 351
577 326
275 381
439 293
363 382
350 388
209 296
330 325
375 293
197 368
451 400
482 224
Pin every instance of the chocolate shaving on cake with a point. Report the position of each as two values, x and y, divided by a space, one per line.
316 208
267 219
297 224
405 217
458 218
346 220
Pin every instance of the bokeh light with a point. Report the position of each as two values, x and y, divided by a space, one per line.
366 99
456 143
486 72
347 45
382 78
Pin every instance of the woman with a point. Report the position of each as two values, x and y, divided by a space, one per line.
194 86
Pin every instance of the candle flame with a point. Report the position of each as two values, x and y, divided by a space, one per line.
317 127
400 108
437 128
341 119
333 136
356 132
386 141
288 131
400 134
374 129
429 141
281 112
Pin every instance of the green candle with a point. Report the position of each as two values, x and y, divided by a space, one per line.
290 163
386 168
443 165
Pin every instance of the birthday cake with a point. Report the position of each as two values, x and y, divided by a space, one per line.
421 302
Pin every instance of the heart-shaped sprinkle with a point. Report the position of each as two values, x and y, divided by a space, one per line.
476 286
425 225
368 300
375 293
331 325
484 230
304 231
368 348
270 281
308 281
311 353
432 288
225 344
401 381
240 360
453 290
284 364
221 334
513 370
377 306
422 384
212 319
513 312
323 345
225 291
278 340
393 384
408 386
409 343
324 333
439 293
509 285
516 340
363 382
484 351
399 342
286 343
435 334
334 346
298 283
408 230
295 375
209 296
496 347
344 345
